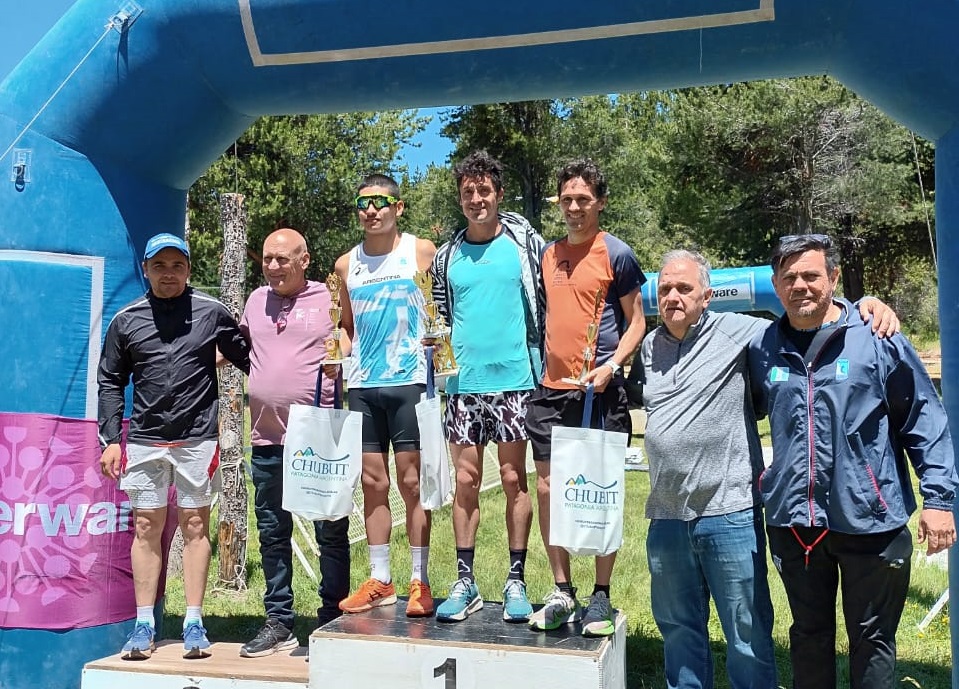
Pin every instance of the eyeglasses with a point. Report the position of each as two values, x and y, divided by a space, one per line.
379 201
285 307
824 239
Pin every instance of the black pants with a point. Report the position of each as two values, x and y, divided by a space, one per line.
873 570
275 526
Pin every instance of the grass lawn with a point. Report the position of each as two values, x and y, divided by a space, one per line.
924 661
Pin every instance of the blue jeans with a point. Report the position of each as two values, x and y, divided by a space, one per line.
275 526
723 556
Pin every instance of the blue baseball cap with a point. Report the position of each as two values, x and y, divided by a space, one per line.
163 240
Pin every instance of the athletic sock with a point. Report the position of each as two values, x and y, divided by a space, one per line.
464 563
517 565
380 563
194 613
567 588
420 556
601 589
145 615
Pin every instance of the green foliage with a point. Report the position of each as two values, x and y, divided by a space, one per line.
296 171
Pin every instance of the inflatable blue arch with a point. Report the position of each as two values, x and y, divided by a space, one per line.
112 116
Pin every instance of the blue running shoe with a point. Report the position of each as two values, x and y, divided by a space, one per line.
464 599
516 607
195 643
139 645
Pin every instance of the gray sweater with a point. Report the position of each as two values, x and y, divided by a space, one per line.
701 438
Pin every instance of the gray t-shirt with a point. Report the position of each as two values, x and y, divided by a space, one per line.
701 438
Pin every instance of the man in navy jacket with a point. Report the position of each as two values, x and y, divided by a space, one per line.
845 409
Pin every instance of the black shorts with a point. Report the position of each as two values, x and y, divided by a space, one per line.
548 407
389 415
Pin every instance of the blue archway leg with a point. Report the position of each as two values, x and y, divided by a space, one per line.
947 225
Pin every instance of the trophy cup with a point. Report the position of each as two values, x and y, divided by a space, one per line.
334 352
592 330
435 328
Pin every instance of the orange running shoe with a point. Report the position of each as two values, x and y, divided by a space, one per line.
421 600
371 594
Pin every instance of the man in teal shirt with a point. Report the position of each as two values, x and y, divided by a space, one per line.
487 274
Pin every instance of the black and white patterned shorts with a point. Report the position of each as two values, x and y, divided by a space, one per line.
480 418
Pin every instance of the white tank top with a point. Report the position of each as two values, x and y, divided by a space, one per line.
387 318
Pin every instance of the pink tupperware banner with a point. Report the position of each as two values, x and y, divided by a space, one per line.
65 530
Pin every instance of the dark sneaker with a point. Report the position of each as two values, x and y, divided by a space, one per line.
195 643
272 638
598 620
139 645
325 615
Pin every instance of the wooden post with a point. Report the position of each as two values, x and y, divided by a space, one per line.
232 522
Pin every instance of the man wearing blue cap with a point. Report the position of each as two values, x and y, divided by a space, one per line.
167 341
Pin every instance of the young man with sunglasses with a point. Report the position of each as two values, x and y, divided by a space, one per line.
489 272
847 411
288 323
383 315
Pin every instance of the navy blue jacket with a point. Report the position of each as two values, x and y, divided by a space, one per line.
842 427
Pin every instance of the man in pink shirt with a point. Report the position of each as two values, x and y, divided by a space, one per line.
287 323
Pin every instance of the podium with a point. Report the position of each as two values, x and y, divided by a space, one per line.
224 669
384 649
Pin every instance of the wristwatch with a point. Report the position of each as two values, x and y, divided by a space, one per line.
613 365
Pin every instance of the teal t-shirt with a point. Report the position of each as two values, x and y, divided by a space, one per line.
489 318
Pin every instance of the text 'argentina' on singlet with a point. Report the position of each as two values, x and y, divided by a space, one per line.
387 316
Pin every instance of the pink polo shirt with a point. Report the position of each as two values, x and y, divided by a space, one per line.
285 358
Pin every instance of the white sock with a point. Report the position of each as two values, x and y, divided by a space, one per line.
145 615
380 563
194 613
420 555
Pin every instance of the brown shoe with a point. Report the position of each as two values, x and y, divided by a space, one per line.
421 600
372 594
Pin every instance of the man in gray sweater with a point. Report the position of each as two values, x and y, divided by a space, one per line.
706 535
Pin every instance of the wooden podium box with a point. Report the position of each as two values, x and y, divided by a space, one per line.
224 669
383 649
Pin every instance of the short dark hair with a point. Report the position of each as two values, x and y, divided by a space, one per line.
477 165
380 180
589 171
791 244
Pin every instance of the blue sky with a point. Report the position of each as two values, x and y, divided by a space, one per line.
26 21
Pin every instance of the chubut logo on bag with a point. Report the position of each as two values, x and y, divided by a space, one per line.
307 463
583 493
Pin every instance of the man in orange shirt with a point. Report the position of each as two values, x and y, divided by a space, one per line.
590 277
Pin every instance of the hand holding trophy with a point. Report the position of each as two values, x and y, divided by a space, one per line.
334 350
435 328
592 330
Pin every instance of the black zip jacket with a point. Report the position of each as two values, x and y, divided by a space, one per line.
169 347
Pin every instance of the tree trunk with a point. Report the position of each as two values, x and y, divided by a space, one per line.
232 523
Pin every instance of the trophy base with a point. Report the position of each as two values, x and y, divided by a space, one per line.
573 381
446 374
333 362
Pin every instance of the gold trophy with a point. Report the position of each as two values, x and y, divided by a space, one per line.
435 328
334 351
592 330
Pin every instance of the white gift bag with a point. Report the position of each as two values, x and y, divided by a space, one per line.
435 482
587 487
322 461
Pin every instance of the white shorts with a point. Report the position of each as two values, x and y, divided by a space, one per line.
192 466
